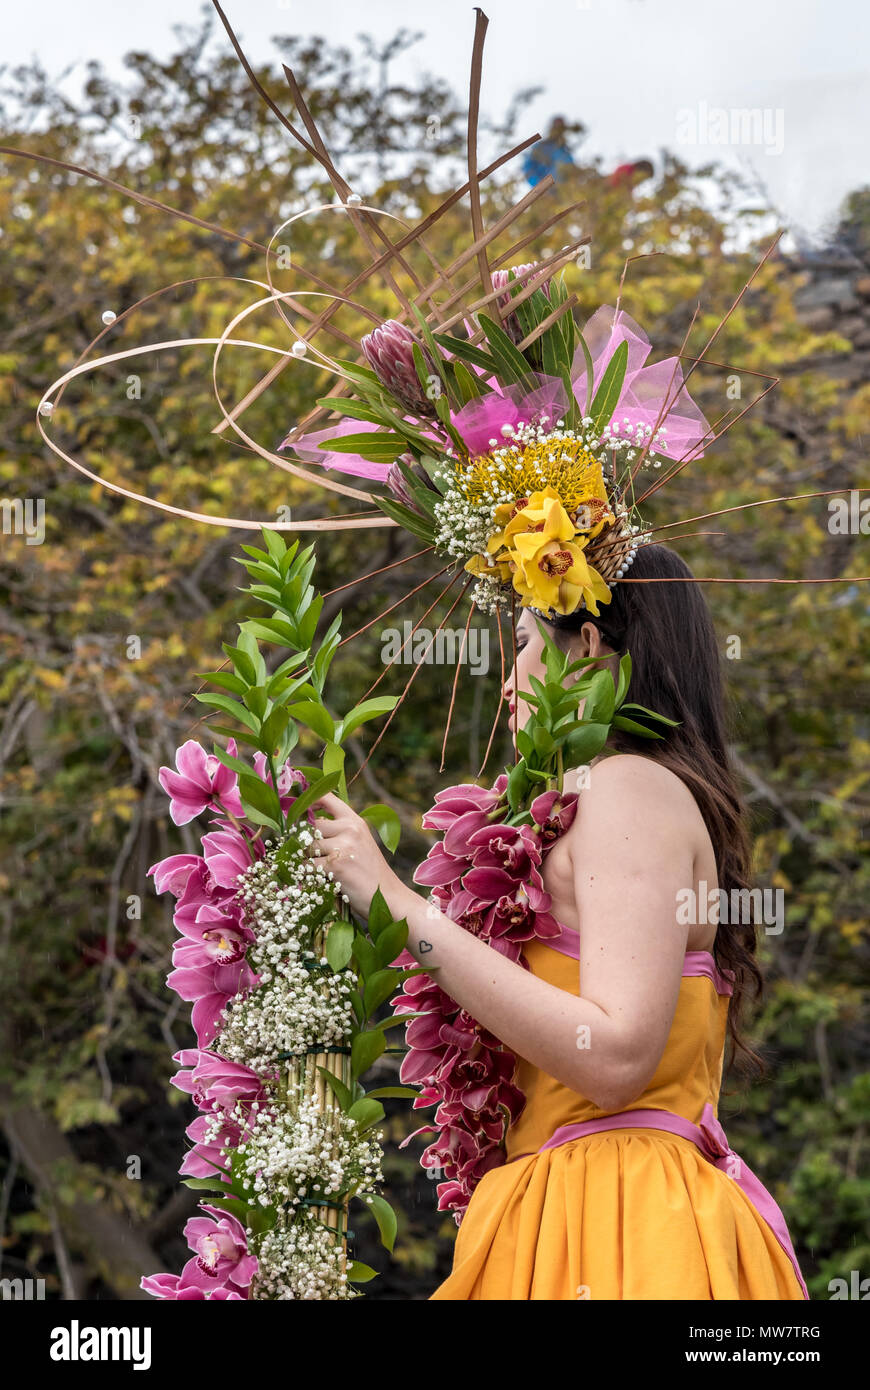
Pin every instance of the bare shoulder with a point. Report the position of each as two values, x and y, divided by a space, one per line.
634 788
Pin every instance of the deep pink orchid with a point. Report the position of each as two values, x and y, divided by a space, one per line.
220 1248
201 781
486 876
213 1081
171 1286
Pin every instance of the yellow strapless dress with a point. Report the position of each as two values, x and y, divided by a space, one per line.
627 1213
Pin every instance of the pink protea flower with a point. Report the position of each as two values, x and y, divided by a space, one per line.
501 281
389 353
201 781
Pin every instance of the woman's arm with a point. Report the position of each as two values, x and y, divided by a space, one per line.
630 853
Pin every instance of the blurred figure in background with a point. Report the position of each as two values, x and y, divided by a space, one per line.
630 175
551 153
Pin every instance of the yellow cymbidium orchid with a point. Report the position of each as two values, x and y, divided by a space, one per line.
556 574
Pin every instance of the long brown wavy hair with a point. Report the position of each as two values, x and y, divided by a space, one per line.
676 670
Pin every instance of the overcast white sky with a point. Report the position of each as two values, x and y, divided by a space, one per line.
630 69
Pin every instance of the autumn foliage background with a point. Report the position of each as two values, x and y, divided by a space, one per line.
104 624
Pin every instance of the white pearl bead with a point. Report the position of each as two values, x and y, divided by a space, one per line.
108 316
353 200
45 407
299 348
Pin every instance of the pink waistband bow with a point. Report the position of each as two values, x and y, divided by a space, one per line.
708 1136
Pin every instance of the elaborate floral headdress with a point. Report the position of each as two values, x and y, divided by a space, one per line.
514 443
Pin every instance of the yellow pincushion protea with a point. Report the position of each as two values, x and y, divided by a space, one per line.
540 549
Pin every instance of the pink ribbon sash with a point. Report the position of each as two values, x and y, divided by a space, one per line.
709 1137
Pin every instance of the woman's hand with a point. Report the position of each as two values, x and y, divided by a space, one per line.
350 850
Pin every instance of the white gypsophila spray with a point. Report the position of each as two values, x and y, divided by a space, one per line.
300 1003
301 1259
297 1153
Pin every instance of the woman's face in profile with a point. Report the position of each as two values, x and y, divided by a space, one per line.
530 661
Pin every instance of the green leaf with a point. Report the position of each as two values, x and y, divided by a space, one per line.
275 543
512 364
359 1273
274 729
333 761
369 709
395 1093
651 714
466 352
366 1112
386 822
386 1023
590 373
240 735
586 743
248 644
386 1218
610 386
365 1050
624 679
425 497
274 630
600 698
256 700
316 717
378 988
232 708
311 794
373 445
517 784
379 915
224 679
205 1184
391 942
229 761
355 410
631 726
338 1088
339 945
263 798
408 520
469 384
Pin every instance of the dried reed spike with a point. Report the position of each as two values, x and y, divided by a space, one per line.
414 674
455 683
480 27
360 278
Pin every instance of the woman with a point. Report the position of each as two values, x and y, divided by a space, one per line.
619 1210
